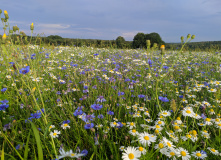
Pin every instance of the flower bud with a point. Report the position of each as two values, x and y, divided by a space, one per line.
162 49
4 37
6 14
188 36
0 11
182 39
148 43
15 28
32 27
193 36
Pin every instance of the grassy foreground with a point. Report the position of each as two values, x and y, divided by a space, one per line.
88 103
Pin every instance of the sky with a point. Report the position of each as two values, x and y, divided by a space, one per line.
108 19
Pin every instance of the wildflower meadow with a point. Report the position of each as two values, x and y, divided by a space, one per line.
68 102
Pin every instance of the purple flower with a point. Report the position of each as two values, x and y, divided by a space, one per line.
101 99
3 89
96 106
88 125
110 112
66 122
100 116
85 152
163 99
24 70
78 112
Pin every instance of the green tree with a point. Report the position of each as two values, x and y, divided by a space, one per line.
154 38
139 40
120 41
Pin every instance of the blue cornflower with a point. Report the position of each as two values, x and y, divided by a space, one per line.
119 125
141 96
4 89
101 99
88 125
66 122
78 112
163 99
85 152
110 112
24 70
18 147
96 106
120 93
3 106
100 116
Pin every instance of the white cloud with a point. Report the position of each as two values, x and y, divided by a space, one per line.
53 26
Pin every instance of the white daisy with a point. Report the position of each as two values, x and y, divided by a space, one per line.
142 150
131 125
199 155
133 132
65 125
213 151
146 138
131 153
55 134
183 153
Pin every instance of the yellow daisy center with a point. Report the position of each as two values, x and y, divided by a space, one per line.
169 145
188 136
207 119
72 154
146 138
159 122
172 153
194 132
176 127
131 123
160 145
156 131
183 153
213 150
157 126
219 124
114 123
54 134
134 131
188 111
131 156
198 155
141 149
65 124
178 118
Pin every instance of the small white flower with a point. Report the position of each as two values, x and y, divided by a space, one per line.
55 134
65 125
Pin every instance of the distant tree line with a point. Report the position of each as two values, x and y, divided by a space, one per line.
139 41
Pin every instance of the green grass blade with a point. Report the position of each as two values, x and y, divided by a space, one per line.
92 156
38 141
10 156
26 148
12 146
2 155
47 129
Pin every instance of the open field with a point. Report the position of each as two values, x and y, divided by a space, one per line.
89 103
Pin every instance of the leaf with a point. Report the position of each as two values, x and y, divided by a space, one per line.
26 148
38 141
